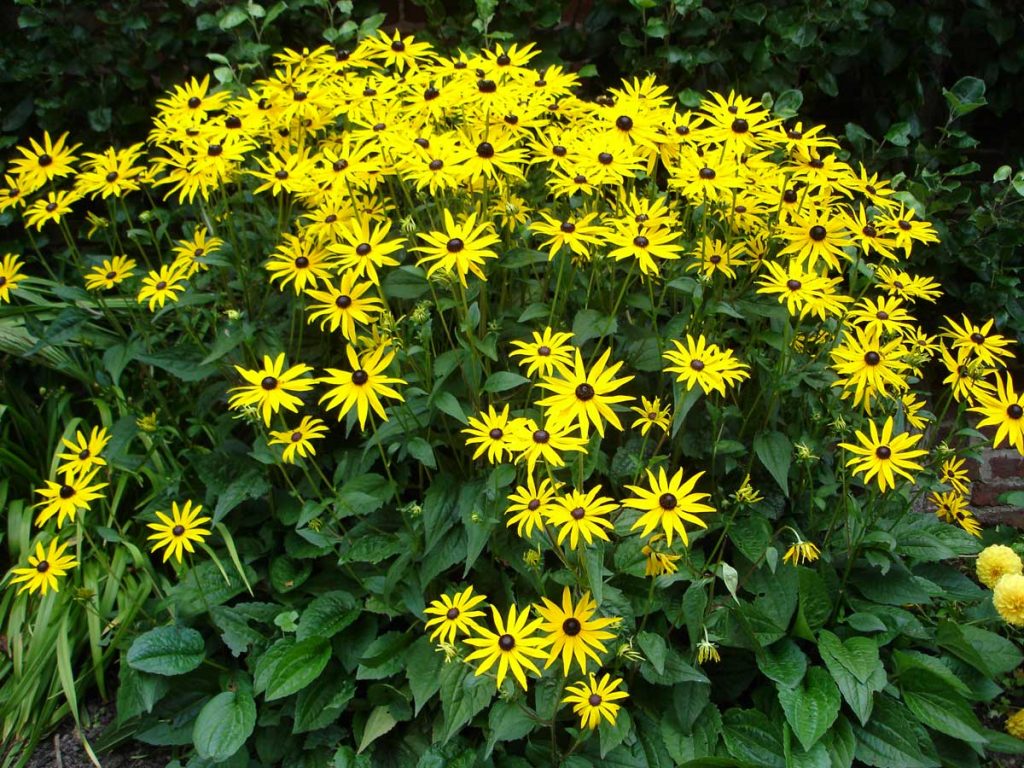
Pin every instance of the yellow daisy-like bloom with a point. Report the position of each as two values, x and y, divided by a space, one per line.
53 208
10 275
110 273
966 377
44 569
299 440
531 443
513 645
645 246
987 347
954 474
160 285
461 248
594 700
66 498
869 367
747 493
667 504
363 386
1004 410
579 234
582 515
707 651
491 433
1015 724
816 236
177 532
549 352
951 507
652 414
881 316
585 398
454 615
997 561
706 365
344 306
1008 598
658 562
363 249
189 254
83 453
907 287
801 552
573 632
300 262
112 173
271 387
884 455
803 290
717 256
531 505
44 162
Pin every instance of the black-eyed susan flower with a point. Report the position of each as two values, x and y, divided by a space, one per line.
1008 598
594 700
651 413
454 615
160 286
668 503
83 453
531 505
707 651
1003 409
801 551
644 246
42 163
111 273
513 645
271 387
580 234
951 507
906 230
658 561
344 306
802 289
881 316
884 455
44 569
190 103
867 236
907 287
300 439
112 173
966 375
461 248
996 561
582 515
10 275
869 367
175 533
986 347
363 248
816 236
363 386
66 498
747 493
301 262
698 363
572 631
713 256
51 208
399 52
190 253
583 397
550 351
491 434
953 473
532 443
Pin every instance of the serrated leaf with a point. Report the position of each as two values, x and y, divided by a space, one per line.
784 663
892 738
775 452
326 615
463 695
296 667
752 738
224 724
936 704
378 723
811 707
321 702
167 651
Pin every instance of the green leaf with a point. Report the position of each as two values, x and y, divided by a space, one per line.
507 722
167 651
591 324
235 630
422 451
788 103
297 667
614 734
138 692
892 738
654 648
856 669
446 402
232 18
1001 655
378 723
327 615
463 695
898 134
423 670
1004 743
501 381
811 707
939 706
321 702
784 663
223 725
775 451
752 738
966 95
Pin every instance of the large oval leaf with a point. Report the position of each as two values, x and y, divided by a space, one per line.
167 651
297 667
224 724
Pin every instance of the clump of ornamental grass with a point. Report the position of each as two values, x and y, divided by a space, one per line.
492 390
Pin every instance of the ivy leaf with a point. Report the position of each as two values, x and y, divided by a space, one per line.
167 651
811 707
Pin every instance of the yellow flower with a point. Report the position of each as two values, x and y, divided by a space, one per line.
110 273
593 700
801 552
65 499
460 248
1008 598
531 504
511 646
44 568
582 515
83 453
300 439
573 632
668 503
452 615
10 275
747 494
1005 409
996 561
652 414
160 285
1015 724
492 433
706 365
707 651
585 397
176 533
271 387
363 386
884 454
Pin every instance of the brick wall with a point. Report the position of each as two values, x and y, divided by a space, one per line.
1000 470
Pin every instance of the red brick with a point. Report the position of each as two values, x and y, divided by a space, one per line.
1002 516
1007 466
973 467
987 495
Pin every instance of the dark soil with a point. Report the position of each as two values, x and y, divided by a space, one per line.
63 748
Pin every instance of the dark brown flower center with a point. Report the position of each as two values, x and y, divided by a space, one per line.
108 276
496 434
794 285
533 505
585 392
739 125
301 262
397 46
360 377
506 642
869 231
84 454
485 150
682 130
161 285
368 92
883 315
567 227
594 700
194 102
436 165
605 158
66 492
45 160
559 151
904 225
543 351
363 249
453 613
269 383
579 179
872 358
343 302
715 259
42 566
818 233
339 165
503 60
883 452
541 436
431 93
667 501
817 164
707 173
178 530
641 242
1014 411
112 176
233 122
421 143
296 437
977 338
455 245
486 86
51 207
572 626
577 513
697 365
281 175
330 218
